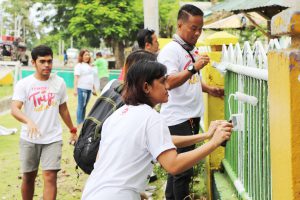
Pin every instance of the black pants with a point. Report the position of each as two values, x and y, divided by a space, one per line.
178 186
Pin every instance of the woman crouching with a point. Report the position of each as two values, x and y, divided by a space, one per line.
135 135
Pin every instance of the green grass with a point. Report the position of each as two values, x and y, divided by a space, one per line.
5 90
69 185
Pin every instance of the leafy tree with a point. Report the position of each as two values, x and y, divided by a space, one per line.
113 20
64 11
13 8
168 10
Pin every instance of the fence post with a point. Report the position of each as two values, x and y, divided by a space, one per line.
284 105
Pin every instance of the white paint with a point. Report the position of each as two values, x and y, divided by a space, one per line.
299 78
246 98
239 186
244 70
238 122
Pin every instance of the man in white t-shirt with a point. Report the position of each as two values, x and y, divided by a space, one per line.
147 40
185 106
43 97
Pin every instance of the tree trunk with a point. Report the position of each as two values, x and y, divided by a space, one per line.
118 48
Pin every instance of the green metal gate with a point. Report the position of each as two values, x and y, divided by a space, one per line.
247 154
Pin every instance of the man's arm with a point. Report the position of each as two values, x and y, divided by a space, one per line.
214 91
176 80
17 113
65 115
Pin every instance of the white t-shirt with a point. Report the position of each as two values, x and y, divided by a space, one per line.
86 75
185 101
41 105
132 137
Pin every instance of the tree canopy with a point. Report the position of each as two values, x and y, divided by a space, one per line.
110 20
89 22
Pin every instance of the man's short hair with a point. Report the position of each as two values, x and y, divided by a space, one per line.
143 36
187 10
41 50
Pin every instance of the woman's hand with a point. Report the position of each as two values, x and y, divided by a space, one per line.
212 128
222 133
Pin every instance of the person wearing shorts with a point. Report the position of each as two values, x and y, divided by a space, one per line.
43 97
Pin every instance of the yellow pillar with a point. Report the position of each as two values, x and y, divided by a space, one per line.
7 79
214 107
284 105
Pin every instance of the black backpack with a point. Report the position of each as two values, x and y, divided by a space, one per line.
87 145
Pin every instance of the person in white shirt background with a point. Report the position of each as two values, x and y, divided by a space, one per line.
185 106
135 134
84 84
147 40
43 96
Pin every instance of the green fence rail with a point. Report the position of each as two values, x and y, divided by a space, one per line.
247 154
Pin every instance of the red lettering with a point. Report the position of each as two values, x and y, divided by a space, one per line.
43 97
34 98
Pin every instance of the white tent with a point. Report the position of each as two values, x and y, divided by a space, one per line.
237 21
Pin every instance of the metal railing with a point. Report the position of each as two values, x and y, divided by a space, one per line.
247 154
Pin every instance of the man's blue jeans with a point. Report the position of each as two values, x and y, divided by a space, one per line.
83 99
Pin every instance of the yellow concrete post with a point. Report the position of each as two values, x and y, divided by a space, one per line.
7 80
284 105
214 107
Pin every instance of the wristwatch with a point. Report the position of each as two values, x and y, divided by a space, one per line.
192 69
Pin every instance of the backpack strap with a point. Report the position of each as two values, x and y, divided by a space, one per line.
117 86
120 88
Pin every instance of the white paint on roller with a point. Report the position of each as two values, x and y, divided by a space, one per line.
245 98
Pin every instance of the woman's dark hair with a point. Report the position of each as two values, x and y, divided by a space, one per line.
138 74
41 50
80 56
136 56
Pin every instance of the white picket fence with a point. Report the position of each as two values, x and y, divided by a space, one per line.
247 155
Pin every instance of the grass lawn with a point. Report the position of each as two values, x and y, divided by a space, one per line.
6 90
70 185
